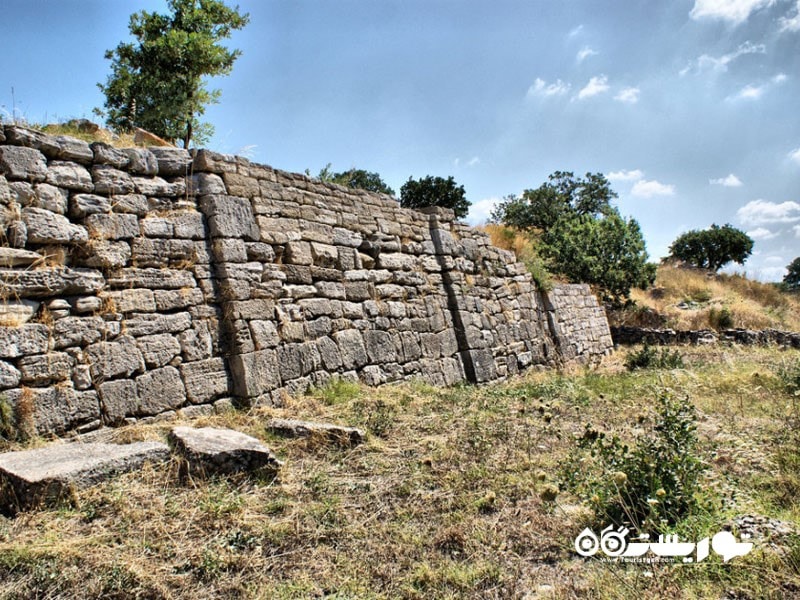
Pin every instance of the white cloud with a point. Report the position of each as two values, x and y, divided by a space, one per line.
729 181
794 155
474 161
779 78
734 11
762 233
775 259
791 24
480 211
585 53
623 175
575 31
761 212
596 85
750 92
541 88
629 95
720 63
647 189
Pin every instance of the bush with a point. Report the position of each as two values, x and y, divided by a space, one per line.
720 318
650 358
647 486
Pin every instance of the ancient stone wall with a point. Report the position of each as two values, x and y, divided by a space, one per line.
138 282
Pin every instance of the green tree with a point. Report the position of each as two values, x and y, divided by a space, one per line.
712 248
435 191
356 178
158 81
792 279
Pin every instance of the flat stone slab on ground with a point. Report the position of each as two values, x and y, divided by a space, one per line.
31 478
210 451
338 434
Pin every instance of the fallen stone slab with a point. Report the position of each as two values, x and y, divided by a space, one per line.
44 476
211 451
337 434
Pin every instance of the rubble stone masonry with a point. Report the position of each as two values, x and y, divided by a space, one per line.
139 282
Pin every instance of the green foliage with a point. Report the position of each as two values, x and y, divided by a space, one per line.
357 179
721 318
712 248
158 82
792 279
651 484
650 358
435 191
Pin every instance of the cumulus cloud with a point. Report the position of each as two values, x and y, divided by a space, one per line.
624 175
720 64
794 155
597 85
647 189
754 92
735 12
729 181
762 233
481 210
762 212
629 95
541 88
585 53
792 23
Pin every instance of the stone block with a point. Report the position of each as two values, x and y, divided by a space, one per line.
156 186
151 278
51 198
229 216
158 350
119 399
254 373
133 204
16 341
326 432
45 227
139 324
329 353
49 282
56 409
209 451
298 253
9 375
167 300
196 343
108 155
81 205
146 252
45 368
142 161
205 184
47 476
114 359
351 348
394 261
379 346
205 380
69 176
160 390
241 185
21 163
479 365
264 334
79 331
214 162
131 300
15 257
229 250
112 226
189 225
260 252
172 161
104 254
55 147
111 181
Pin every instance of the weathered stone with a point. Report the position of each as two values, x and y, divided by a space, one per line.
108 180
264 334
148 324
327 432
229 216
104 254
50 282
172 161
81 205
17 312
254 373
160 390
45 227
395 261
177 299
13 257
210 451
329 353
158 350
114 359
260 251
205 380
189 225
168 279
229 250
142 161
79 331
205 184
49 475
51 198
134 204
351 348
157 227
156 186
45 368
17 234
118 399
87 304
9 376
241 185
26 164
214 162
155 253
196 343
298 253
54 147
108 155
379 346
70 176
53 410
113 226
16 341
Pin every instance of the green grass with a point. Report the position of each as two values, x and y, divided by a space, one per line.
455 494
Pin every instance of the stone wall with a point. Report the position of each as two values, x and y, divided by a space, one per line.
138 282
664 337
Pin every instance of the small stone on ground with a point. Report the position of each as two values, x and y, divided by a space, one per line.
210 451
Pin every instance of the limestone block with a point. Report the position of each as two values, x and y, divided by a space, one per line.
14 257
229 216
299 291
177 299
45 227
358 291
172 161
156 186
260 252
9 375
209 451
118 399
134 204
346 237
264 334
146 252
318 328
49 282
319 307
55 147
81 205
141 161
112 226
254 373
240 185
189 225
114 359
45 368
51 198
70 176
205 380
108 155
159 349
49 475
328 432
214 162
329 353
229 250
379 346
79 331
330 289
351 348
395 261
205 184
86 304
16 341
297 274
196 343
298 253
56 409
160 390
165 279
104 254
139 324
111 181
157 227
25 164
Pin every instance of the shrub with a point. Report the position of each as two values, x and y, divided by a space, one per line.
650 358
648 485
720 318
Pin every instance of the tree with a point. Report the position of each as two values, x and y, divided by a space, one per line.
356 178
158 82
792 278
435 191
712 248
562 195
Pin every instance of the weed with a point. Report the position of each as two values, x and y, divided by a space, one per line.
337 391
721 318
650 358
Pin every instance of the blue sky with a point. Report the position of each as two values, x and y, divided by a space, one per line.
690 107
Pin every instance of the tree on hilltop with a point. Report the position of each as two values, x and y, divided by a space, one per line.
158 81
435 191
792 279
712 248
357 179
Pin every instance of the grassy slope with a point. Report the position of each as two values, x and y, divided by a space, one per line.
443 501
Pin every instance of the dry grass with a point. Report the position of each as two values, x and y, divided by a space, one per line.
445 500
